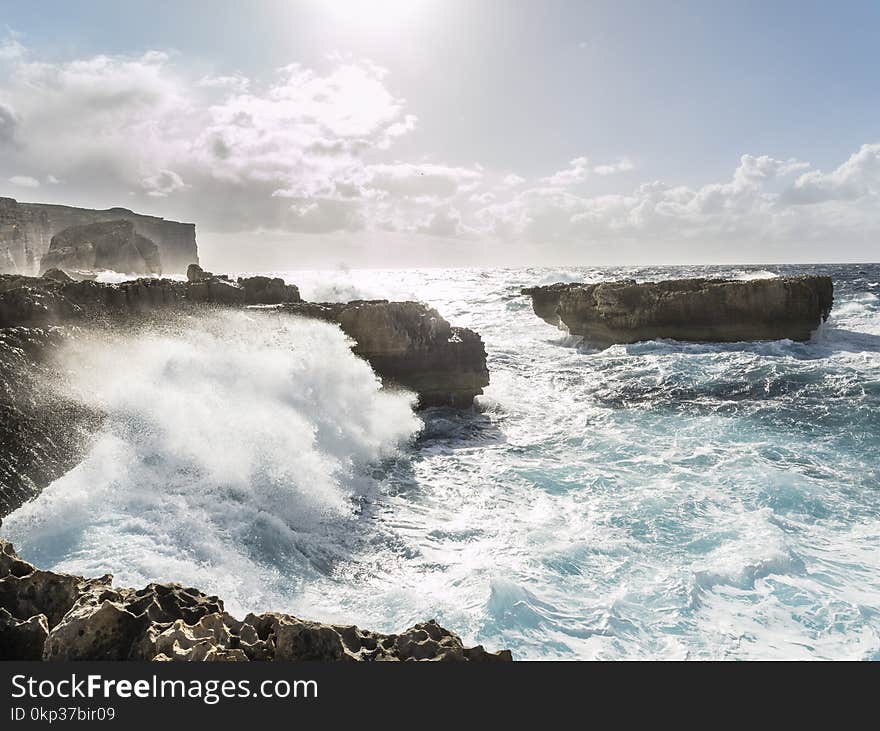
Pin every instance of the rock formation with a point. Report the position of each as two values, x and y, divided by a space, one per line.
194 273
53 616
700 310
42 434
26 230
409 344
58 300
95 247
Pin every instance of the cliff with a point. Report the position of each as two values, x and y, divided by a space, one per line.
96 247
697 310
26 230
53 616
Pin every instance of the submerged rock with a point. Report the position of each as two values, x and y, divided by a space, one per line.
409 344
698 310
108 245
54 616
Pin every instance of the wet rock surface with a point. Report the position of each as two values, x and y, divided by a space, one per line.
54 616
410 344
43 433
697 310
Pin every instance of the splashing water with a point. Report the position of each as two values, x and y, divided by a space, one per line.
231 452
660 500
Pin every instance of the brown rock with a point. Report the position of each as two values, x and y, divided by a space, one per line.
409 344
71 618
22 639
700 310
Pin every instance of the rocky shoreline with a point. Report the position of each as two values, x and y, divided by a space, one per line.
690 310
44 434
53 616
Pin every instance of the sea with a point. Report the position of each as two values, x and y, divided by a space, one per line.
661 500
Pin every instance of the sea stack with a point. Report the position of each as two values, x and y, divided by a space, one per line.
691 310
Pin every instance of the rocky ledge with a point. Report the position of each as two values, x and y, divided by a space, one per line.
56 299
696 310
51 616
409 344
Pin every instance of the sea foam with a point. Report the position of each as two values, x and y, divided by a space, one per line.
234 445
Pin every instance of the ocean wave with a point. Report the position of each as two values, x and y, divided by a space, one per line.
655 500
231 459
748 276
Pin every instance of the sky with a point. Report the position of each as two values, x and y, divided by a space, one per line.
453 132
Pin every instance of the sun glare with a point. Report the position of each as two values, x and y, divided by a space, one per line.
374 13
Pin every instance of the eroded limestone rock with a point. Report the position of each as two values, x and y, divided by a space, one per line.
53 300
411 345
57 616
22 639
698 310
26 230
108 245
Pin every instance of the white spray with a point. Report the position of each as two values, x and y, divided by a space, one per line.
234 447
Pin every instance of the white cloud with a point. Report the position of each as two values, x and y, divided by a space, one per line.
417 181
579 170
576 172
236 82
298 151
11 49
623 165
8 124
856 178
758 203
163 183
312 150
446 222
24 181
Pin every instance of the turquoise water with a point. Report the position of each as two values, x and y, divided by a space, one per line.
657 500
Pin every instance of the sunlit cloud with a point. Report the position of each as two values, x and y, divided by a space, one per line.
315 151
